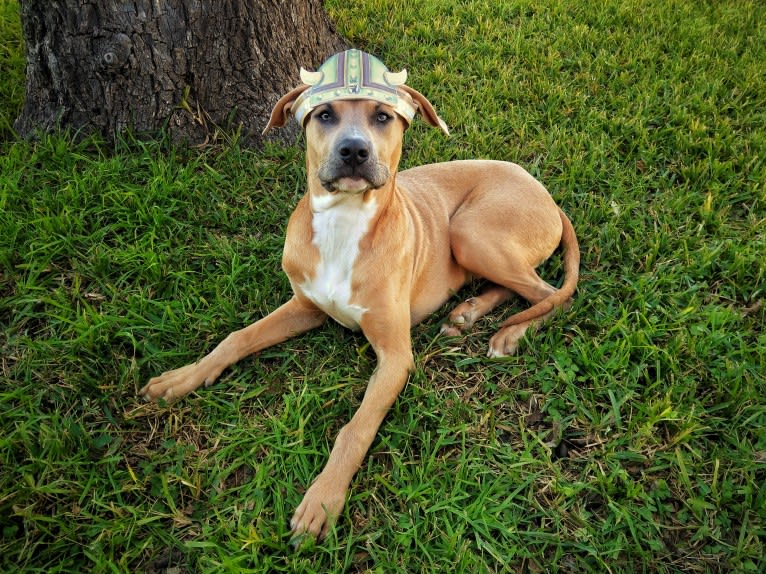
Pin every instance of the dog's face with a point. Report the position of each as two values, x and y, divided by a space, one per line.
354 145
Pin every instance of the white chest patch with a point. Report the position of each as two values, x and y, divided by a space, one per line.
339 222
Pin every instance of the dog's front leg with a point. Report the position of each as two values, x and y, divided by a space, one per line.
326 496
290 319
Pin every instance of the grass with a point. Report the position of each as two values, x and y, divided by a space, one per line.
11 67
628 435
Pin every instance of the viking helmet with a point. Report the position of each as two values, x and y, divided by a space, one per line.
353 75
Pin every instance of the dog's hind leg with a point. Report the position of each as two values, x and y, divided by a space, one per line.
505 266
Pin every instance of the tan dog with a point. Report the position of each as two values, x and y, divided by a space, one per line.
379 251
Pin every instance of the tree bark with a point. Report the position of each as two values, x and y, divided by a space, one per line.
197 67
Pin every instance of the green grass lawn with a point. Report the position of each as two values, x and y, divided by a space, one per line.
629 435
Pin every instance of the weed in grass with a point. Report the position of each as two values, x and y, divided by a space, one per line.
627 436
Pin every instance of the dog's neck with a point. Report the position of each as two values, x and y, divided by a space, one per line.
340 221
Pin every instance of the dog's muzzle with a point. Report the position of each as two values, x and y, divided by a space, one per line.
353 157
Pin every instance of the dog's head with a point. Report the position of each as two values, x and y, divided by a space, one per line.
354 112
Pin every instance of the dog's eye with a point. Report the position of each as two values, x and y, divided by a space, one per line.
325 116
382 117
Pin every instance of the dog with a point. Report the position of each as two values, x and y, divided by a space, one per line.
380 250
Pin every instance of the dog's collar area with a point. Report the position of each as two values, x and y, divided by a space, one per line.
353 75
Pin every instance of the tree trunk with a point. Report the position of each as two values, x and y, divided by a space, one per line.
198 67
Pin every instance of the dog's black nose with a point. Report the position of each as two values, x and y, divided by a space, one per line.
354 150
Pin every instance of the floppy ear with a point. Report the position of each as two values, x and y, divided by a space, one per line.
426 109
281 112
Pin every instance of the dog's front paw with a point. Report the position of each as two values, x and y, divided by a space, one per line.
173 385
318 510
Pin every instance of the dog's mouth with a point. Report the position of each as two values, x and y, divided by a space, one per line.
353 180
348 184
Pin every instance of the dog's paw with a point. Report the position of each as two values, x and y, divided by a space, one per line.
318 510
461 318
172 385
448 330
505 342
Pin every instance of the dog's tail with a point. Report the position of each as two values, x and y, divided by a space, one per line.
571 276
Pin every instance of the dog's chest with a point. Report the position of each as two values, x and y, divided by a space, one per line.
338 228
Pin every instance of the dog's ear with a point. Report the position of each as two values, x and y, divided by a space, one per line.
426 109
281 112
